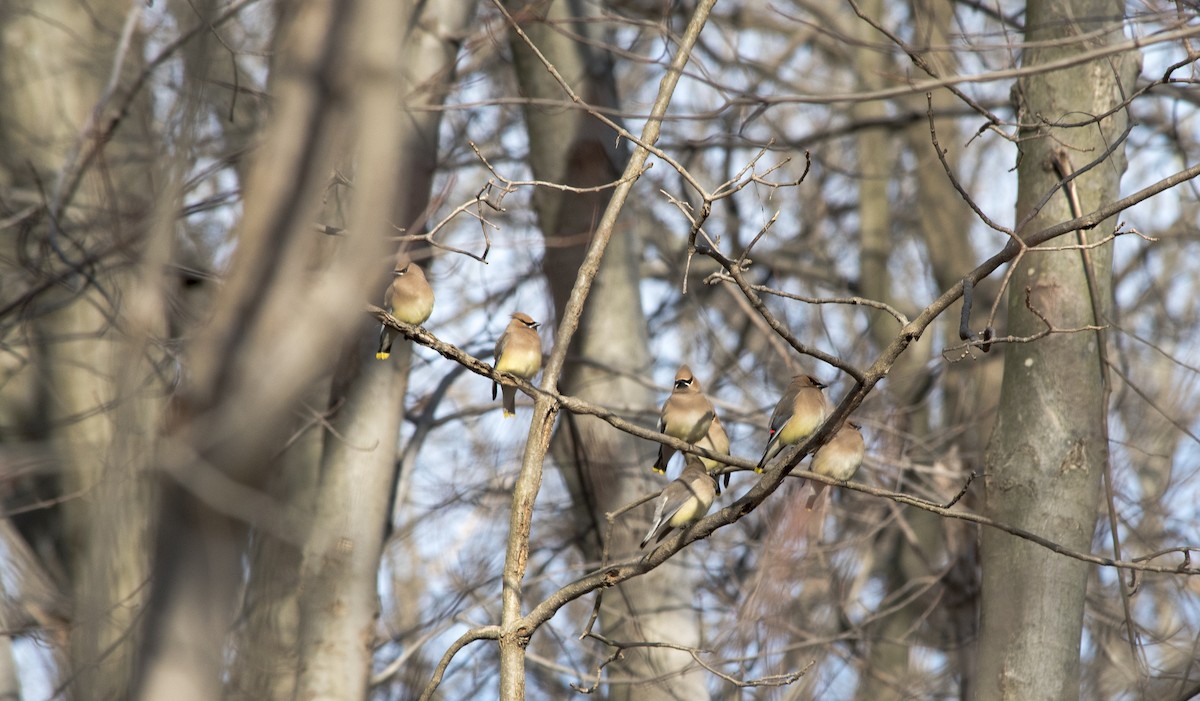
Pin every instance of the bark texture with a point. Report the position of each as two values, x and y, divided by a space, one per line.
1049 449
605 468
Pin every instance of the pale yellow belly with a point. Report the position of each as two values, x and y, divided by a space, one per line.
689 428
692 510
840 468
526 366
797 429
413 312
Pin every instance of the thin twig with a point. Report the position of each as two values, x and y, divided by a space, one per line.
482 633
920 62
856 301
922 86
735 272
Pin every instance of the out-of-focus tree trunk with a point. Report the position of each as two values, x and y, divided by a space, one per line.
944 220
432 43
225 99
102 396
900 558
1049 448
888 656
265 658
605 468
397 158
916 553
278 325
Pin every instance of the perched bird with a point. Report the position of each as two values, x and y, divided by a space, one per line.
409 298
688 415
519 351
798 415
840 458
684 501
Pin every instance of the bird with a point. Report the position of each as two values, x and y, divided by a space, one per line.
798 415
409 298
689 416
519 352
684 501
839 459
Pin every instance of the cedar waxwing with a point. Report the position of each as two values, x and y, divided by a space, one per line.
798 415
409 298
839 458
684 501
519 351
689 416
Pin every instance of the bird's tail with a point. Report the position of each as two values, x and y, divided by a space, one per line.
510 400
385 343
664 456
768 453
651 533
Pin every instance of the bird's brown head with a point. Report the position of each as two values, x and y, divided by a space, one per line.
407 266
685 380
808 381
526 320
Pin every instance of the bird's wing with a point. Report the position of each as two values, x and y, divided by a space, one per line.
501 344
673 498
783 410
715 439
661 518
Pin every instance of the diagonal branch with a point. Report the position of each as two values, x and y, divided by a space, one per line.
571 403
514 634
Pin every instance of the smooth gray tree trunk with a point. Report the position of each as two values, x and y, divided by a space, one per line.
1049 449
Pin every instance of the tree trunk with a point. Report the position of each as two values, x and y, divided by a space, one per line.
901 561
274 323
605 468
888 652
339 604
1049 448
265 659
102 395
942 224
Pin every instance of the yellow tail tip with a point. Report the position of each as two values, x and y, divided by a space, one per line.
509 414
382 356
659 470
759 469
